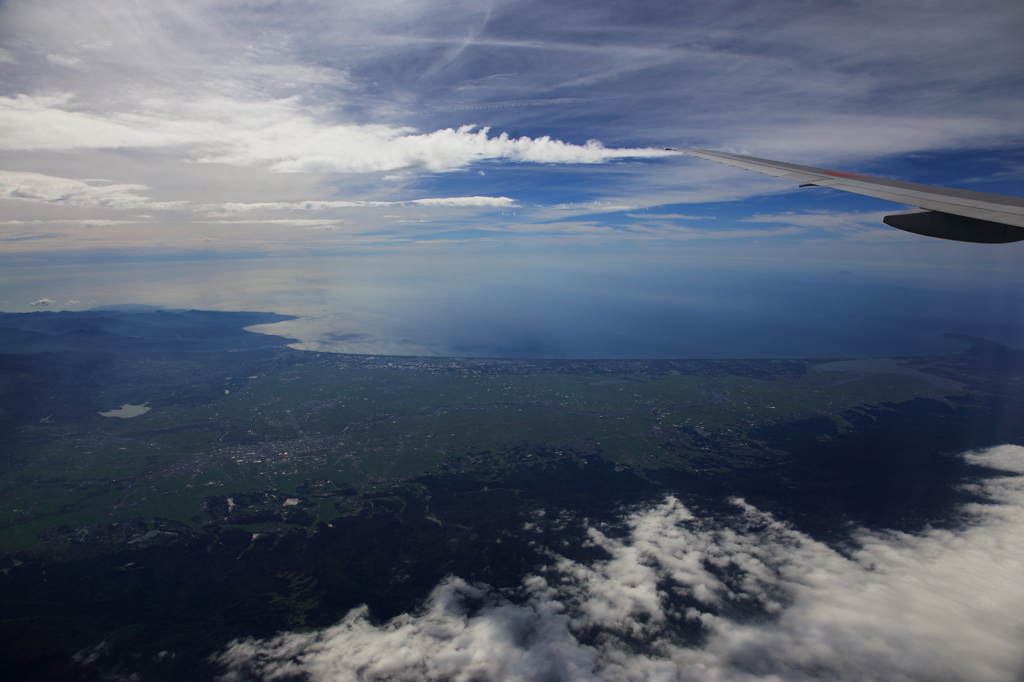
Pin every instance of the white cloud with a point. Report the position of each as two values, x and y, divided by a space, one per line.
75 221
300 144
855 226
297 222
641 232
63 60
326 205
12 236
42 303
669 216
282 134
942 604
39 122
680 233
462 201
593 207
831 219
69 192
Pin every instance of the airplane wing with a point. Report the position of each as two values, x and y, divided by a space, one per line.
957 214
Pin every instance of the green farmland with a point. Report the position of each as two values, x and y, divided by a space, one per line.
325 431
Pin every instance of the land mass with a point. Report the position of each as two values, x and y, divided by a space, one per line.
271 488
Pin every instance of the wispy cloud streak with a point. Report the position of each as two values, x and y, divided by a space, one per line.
70 192
326 205
280 134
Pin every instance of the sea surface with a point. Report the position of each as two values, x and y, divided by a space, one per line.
549 307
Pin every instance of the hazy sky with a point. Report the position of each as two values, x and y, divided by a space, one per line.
445 133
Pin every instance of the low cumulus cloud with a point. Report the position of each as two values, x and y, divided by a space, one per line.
296 222
43 302
687 597
480 202
49 189
91 222
70 192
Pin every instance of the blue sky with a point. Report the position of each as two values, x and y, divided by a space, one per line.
437 134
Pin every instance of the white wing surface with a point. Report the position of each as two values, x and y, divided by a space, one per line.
942 212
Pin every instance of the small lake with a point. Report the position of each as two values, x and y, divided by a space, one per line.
126 411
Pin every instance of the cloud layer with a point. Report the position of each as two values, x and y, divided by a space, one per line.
328 205
683 597
279 134
448 109
70 192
